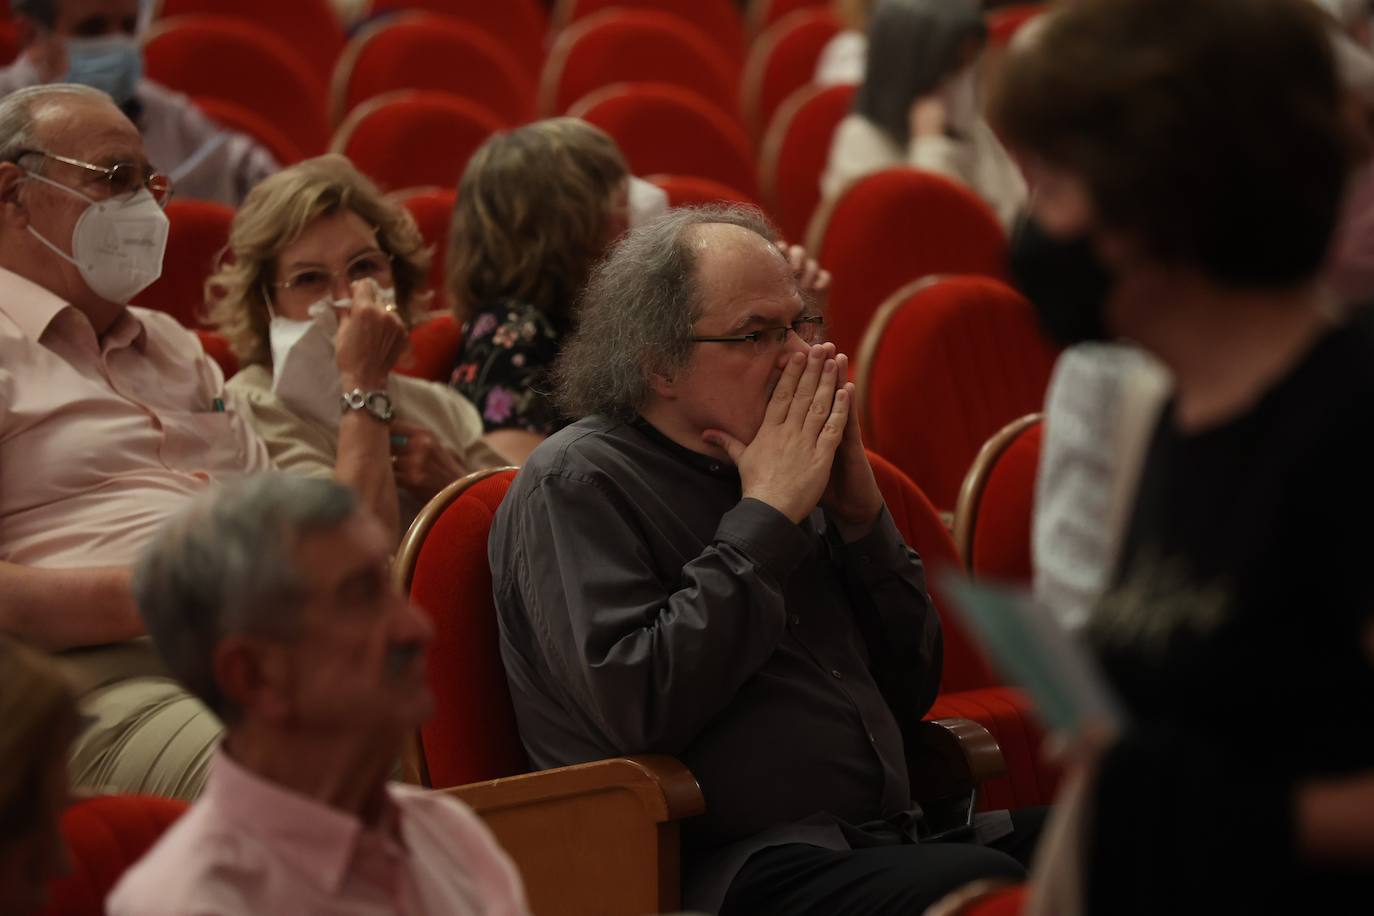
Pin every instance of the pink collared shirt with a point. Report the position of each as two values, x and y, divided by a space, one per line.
101 440
249 846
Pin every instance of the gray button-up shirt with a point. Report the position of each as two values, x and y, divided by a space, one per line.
645 607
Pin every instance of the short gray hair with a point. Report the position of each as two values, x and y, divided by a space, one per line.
637 312
224 567
17 119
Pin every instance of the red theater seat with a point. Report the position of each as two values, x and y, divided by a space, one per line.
414 138
521 25
311 27
429 51
644 46
889 228
104 836
992 523
795 151
944 365
719 20
1006 21
760 14
781 61
198 231
224 57
691 191
246 121
671 130
969 689
434 345
432 209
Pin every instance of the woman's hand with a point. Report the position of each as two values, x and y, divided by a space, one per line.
370 339
812 279
423 465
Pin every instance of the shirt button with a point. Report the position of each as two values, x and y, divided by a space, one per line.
836 674
865 558
715 468
795 619
872 739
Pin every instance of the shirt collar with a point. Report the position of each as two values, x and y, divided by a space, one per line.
704 463
316 840
34 308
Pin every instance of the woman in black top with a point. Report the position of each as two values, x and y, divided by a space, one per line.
1187 159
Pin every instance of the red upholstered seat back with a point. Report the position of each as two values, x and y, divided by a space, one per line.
414 138
423 51
198 230
1006 21
668 129
248 122
434 345
894 226
924 532
432 209
472 735
719 20
795 151
645 46
105 835
949 363
692 191
763 13
224 57
311 27
1002 526
782 60
519 24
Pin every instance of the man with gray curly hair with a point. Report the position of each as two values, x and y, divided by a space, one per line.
702 566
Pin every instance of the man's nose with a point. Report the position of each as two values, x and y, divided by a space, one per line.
795 344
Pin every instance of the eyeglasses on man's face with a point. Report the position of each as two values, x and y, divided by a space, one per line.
123 179
316 282
810 328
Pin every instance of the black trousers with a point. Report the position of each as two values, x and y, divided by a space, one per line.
899 880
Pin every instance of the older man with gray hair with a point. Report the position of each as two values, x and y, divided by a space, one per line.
111 420
703 566
272 601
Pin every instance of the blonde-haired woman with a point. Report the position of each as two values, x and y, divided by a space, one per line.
537 206
324 276
38 721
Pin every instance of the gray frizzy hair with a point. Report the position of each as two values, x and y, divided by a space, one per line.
637 311
224 566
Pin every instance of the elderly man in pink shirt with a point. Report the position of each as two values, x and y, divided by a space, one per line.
272 601
111 418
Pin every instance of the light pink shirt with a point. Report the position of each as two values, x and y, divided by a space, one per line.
102 440
249 846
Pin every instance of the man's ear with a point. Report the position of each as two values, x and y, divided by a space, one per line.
254 675
13 211
664 386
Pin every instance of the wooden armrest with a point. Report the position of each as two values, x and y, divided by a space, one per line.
594 838
949 758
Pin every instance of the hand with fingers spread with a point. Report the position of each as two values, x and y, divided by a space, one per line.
370 339
423 465
852 499
788 463
812 279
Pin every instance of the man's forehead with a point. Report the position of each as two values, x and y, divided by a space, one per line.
85 128
739 269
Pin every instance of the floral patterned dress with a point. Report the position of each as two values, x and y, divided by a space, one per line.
503 368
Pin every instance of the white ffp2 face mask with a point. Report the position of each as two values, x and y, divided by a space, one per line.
116 244
304 373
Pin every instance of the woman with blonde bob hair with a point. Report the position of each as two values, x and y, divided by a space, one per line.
38 720
537 207
321 278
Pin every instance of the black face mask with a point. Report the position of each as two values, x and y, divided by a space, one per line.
1064 280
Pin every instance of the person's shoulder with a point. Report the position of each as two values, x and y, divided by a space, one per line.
166 332
196 867
577 449
252 383
159 100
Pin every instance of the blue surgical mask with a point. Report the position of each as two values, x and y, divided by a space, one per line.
110 63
